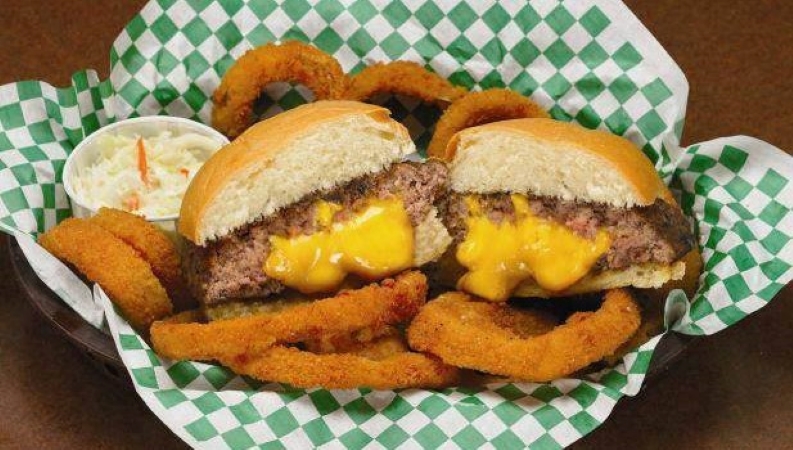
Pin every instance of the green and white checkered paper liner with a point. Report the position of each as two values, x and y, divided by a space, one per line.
588 61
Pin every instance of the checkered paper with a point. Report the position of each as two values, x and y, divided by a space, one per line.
589 61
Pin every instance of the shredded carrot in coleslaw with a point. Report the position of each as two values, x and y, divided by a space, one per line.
143 166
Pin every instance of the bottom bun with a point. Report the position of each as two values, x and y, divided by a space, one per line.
644 276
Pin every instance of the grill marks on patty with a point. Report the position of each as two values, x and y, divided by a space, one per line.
231 267
658 233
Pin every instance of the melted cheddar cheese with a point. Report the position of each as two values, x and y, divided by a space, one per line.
500 256
376 242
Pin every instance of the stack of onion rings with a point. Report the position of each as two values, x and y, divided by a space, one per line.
257 345
153 246
373 307
105 259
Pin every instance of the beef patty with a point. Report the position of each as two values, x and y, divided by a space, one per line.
658 233
231 267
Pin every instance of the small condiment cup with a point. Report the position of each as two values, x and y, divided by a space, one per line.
87 151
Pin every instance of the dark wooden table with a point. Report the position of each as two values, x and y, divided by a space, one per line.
731 390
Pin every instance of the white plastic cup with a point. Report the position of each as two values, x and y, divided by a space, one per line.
86 153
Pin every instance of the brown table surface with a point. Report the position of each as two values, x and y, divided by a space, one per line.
730 390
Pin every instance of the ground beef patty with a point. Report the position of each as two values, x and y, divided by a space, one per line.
231 267
658 233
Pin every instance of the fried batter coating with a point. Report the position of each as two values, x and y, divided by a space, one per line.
406 78
390 344
388 338
104 259
374 306
345 370
291 61
152 245
467 333
242 308
479 108
189 316
652 323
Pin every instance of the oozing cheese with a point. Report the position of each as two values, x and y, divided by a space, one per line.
500 256
376 242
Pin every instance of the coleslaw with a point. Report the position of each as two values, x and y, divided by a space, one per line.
144 175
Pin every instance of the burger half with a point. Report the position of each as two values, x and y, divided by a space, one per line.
308 200
542 208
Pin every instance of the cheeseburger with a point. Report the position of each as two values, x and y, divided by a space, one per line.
542 208
307 200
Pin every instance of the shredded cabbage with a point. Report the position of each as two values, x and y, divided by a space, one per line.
151 185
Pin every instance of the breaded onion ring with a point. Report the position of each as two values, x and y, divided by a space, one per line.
406 78
652 323
152 245
392 342
361 340
189 316
467 333
374 306
345 370
291 61
104 259
479 108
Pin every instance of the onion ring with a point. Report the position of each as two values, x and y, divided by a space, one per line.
374 306
248 307
344 370
189 316
104 259
479 108
466 333
352 342
291 61
406 78
152 245
652 313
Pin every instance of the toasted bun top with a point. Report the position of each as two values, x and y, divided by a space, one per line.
546 157
282 159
